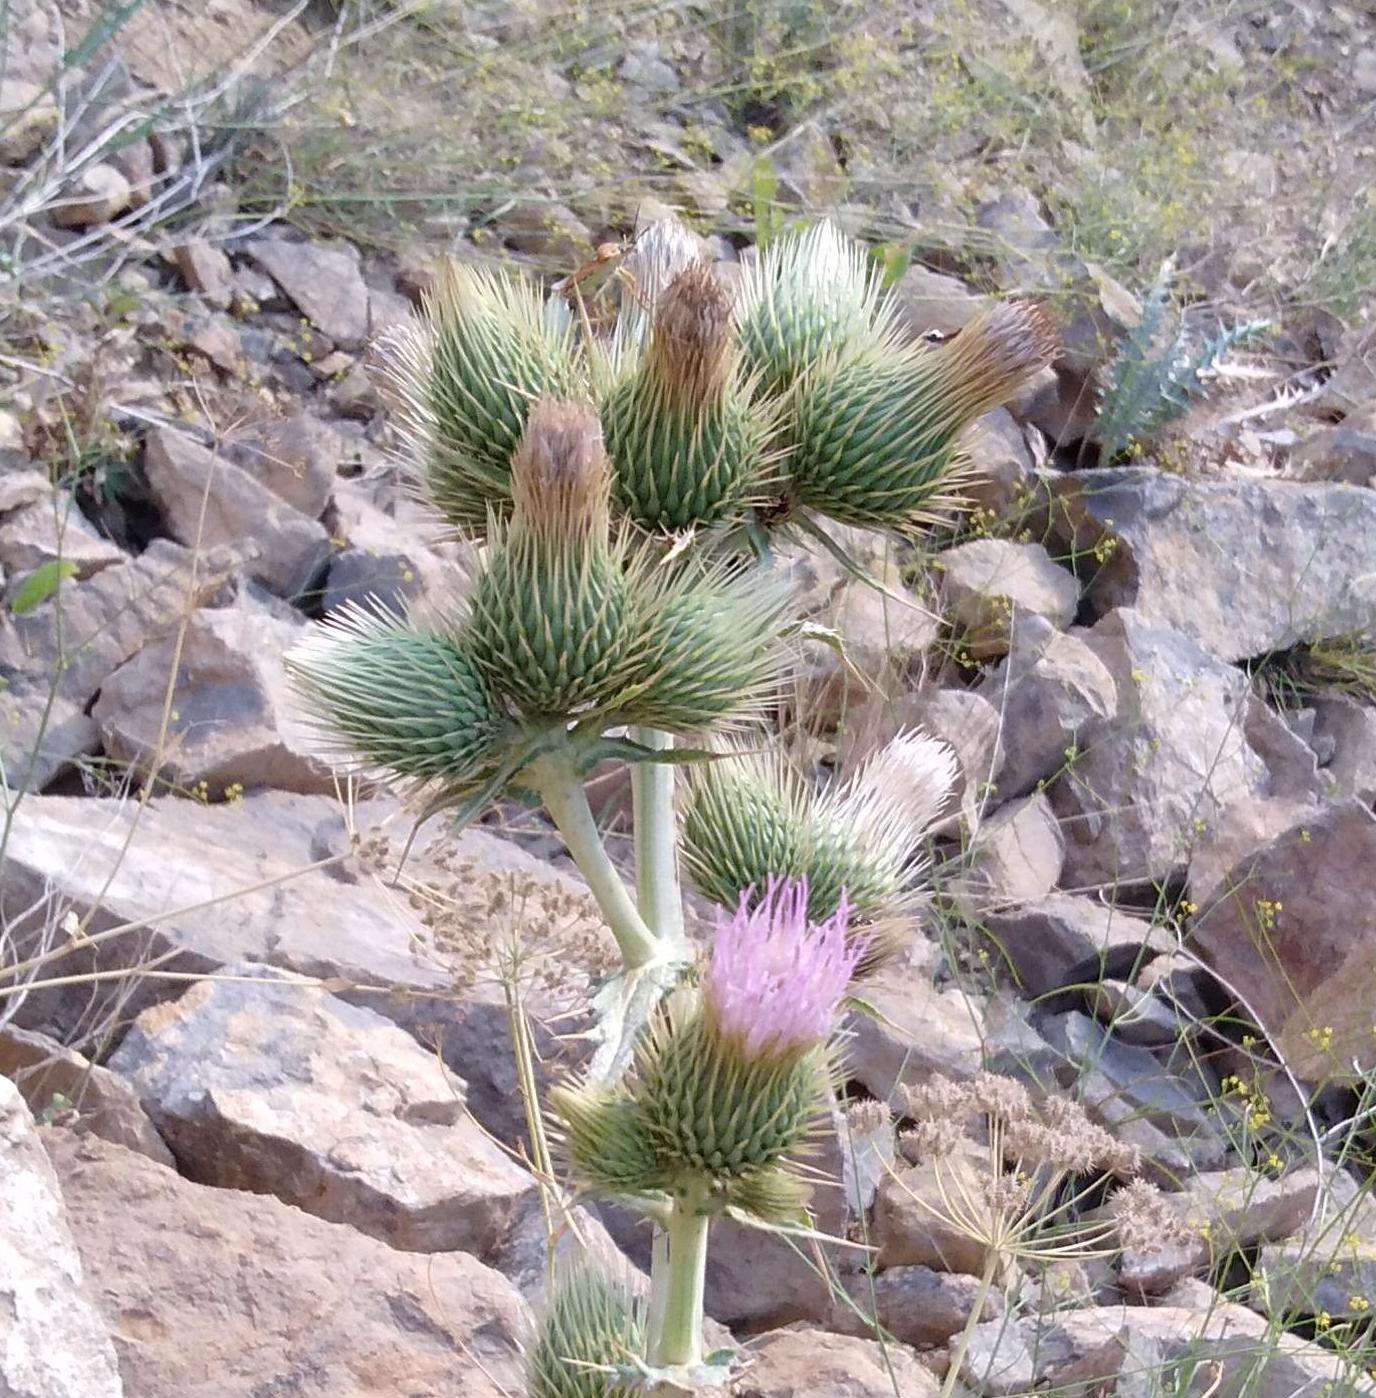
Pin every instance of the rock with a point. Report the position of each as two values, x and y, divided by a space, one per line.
934 306
21 487
353 394
644 67
1348 730
296 458
59 1081
290 549
205 269
387 310
323 279
1065 939
1015 856
231 721
1235 1350
28 114
1293 933
806 1363
55 1342
279 1088
1345 453
990 586
917 1031
96 195
136 162
1053 693
216 339
1307 1278
56 656
1023 241
912 1225
916 1305
1004 458
1351 388
213 1293
287 892
53 529
1244 566
1150 783
547 229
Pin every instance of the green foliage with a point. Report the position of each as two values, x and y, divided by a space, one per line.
588 1321
1159 372
41 584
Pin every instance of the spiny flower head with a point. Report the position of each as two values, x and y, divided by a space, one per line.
560 480
775 980
591 1327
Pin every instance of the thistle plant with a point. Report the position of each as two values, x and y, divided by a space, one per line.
626 607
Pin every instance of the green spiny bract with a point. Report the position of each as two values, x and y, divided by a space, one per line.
607 1140
709 647
876 438
687 443
776 1196
712 1110
399 700
490 346
588 1320
550 617
809 295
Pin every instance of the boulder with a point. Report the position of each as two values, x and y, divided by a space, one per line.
916 1305
214 1293
1157 776
53 1341
278 879
1346 731
274 1086
57 656
1293 934
58 1082
1242 565
28 115
206 270
207 500
50 529
989 587
1346 452
1052 692
1122 1345
914 1226
96 194
323 280
808 1363
1015 856
230 725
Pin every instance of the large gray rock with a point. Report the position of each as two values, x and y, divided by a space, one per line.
207 499
1244 566
273 878
53 1342
296 457
990 586
1051 692
915 1304
58 1082
214 1293
1157 777
50 529
324 281
807 1363
276 1087
230 723
914 1225
1346 731
1016 856
1230 1348
57 656
1293 934
1344 453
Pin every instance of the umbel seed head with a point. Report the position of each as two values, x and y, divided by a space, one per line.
590 1325
397 700
488 348
686 440
550 614
876 440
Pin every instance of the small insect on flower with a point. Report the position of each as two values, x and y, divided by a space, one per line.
775 982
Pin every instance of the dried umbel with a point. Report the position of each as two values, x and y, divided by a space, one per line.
751 816
551 622
733 1083
686 438
876 439
398 700
590 1326
489 346
810 295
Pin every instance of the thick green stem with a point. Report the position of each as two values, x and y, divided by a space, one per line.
656 839
677 1338
564 798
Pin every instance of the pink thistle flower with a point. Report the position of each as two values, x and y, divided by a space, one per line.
775 982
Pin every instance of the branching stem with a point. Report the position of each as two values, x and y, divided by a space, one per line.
656 839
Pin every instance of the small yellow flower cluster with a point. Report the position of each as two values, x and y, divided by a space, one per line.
1267 910
1358 1303
1257 1103
234 791
1322 1039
